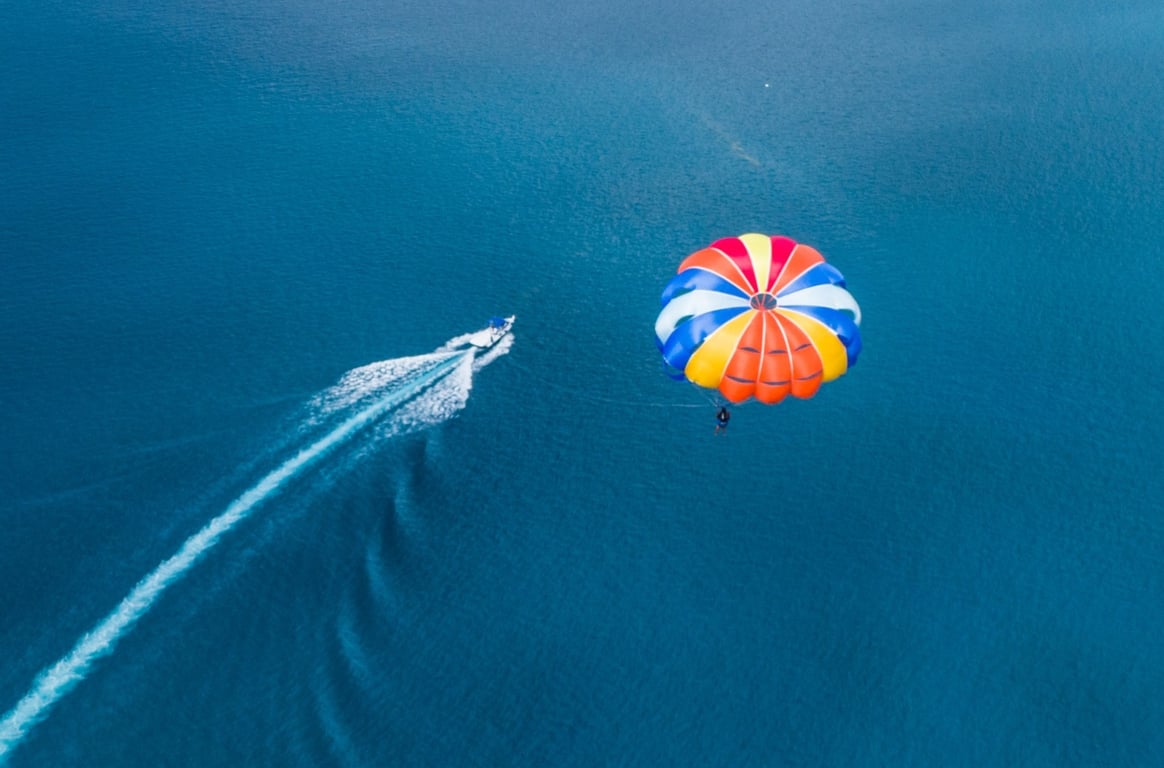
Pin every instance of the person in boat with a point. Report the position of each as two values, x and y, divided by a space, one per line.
722 417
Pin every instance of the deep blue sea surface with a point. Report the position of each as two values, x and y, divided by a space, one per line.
250 515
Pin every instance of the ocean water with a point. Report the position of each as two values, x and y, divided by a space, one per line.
254 512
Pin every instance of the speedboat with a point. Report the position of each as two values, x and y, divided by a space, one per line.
497 330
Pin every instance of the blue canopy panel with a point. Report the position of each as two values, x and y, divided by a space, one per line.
686 338
842 325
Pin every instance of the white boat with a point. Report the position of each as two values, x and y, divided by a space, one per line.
497 330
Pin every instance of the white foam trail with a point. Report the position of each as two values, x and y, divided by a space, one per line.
457 342
439 403
57 680
358 383
501 348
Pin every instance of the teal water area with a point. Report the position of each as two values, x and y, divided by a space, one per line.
951 556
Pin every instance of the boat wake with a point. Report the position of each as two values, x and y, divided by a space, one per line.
386 399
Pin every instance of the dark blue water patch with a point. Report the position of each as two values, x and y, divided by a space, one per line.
951 551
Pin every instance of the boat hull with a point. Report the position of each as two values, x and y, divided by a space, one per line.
489 336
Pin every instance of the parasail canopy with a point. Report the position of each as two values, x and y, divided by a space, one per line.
758 316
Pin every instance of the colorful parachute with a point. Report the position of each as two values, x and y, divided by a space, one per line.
758 316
